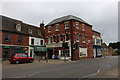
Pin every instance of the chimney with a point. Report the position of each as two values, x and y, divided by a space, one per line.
42 24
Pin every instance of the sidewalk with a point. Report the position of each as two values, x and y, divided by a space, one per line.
111 72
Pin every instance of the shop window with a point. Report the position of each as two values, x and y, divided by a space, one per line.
65 53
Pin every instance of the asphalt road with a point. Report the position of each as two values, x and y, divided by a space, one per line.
76 69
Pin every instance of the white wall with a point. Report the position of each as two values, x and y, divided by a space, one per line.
36 41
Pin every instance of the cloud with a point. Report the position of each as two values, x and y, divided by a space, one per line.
102 15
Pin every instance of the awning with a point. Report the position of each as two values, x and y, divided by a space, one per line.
40 49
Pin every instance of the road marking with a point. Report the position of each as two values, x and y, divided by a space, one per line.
107 66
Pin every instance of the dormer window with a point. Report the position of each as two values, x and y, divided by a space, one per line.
30 31
39 32
18 27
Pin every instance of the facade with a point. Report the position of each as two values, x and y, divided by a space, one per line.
73 31
36 40
97 41
14 38
19 37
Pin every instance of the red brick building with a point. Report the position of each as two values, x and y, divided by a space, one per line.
73 31
14 39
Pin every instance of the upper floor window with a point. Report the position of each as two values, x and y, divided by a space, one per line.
93 41
20 38
30 31
32 41
83 37
54 39
83 27
66 25
49 28
18 27
7 37
57 27
77 37
61 37
41 42
39 32
49 39
67 37
77 25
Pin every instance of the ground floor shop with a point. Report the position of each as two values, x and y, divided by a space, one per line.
97 51
9 50
58 52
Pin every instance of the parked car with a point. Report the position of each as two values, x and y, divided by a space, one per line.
19 58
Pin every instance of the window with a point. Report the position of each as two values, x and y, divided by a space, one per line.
98 41
77 37
24 55
54 39
57 27
20 38
67 37
18 27
32 41
65 53
39 32
49 28
19 55
83 37
30 31
48 39
66 25
83 27
61 37
7 38
41 42
93 41
77 25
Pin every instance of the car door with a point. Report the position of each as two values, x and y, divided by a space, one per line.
25 57
20 58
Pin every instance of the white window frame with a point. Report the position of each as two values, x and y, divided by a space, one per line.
77 35
49 28
83 35
57 25
77 25
65 24
83 27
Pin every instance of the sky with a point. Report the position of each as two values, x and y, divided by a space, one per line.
103 15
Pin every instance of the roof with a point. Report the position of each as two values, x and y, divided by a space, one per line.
9 24
96 31
65 18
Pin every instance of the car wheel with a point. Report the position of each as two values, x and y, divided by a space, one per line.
31 61
17 62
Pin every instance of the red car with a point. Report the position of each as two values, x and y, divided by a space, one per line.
20 57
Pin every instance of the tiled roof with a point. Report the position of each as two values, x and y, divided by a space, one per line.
65 18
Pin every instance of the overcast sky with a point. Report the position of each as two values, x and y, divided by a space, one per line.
102 15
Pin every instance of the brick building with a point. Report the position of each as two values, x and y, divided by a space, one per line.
19 37
73 31
14 39
97 42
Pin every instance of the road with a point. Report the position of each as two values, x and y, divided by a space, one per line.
75 69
